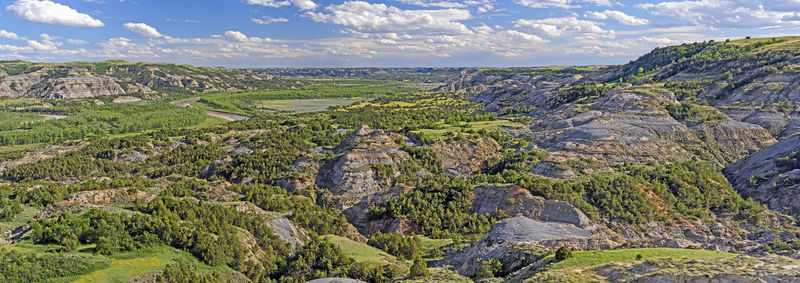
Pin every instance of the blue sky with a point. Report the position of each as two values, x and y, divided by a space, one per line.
338 33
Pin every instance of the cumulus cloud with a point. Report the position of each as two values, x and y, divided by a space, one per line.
619 16
565 4
268 20
76 41
305 4
434 3
628 47
564 27
270 3
47 43
235 36
10 35
143 29
379 18
729 13
51 13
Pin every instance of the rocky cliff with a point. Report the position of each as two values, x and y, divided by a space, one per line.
80 80
627 124
771 176
366 165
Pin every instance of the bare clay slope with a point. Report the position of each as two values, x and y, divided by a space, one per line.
84 79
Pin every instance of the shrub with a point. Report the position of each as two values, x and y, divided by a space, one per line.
419 268
563 253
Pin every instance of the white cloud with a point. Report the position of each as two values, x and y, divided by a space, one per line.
564 27
47 43
236 36
630 47
434 3
268 20
305 4
619 16
270 3
10 35
51 13
485 8
143 29
76 41
730 13
42 45
378 18
565 4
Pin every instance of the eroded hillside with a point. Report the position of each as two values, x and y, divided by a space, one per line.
679 166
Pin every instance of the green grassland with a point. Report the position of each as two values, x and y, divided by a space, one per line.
247 103
125 267
15 120
121 267
775 42
305 105
593 258
28 212
86 121
429 245
363 253
441 129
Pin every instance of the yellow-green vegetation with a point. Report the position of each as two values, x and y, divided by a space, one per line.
305 105
363 253
442 129
20 102
416 103
246 103
593 258
127 266
437 275
673 269
28 212
775 42
429 247
15 120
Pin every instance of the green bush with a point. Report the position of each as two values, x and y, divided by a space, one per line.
563 253
419 268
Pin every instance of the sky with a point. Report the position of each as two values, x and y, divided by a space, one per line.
395 33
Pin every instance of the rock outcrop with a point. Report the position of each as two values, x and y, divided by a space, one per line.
368 162
81 80
517 201
464 158
628 124
518 241
771 176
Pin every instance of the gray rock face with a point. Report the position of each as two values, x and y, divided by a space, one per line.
761 177
514 201
629 124
287 232
71 82
464 158
352 175
80 80
358 215
516 241
523 229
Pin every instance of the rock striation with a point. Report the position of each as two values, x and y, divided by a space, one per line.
771 176
109 78
353 174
